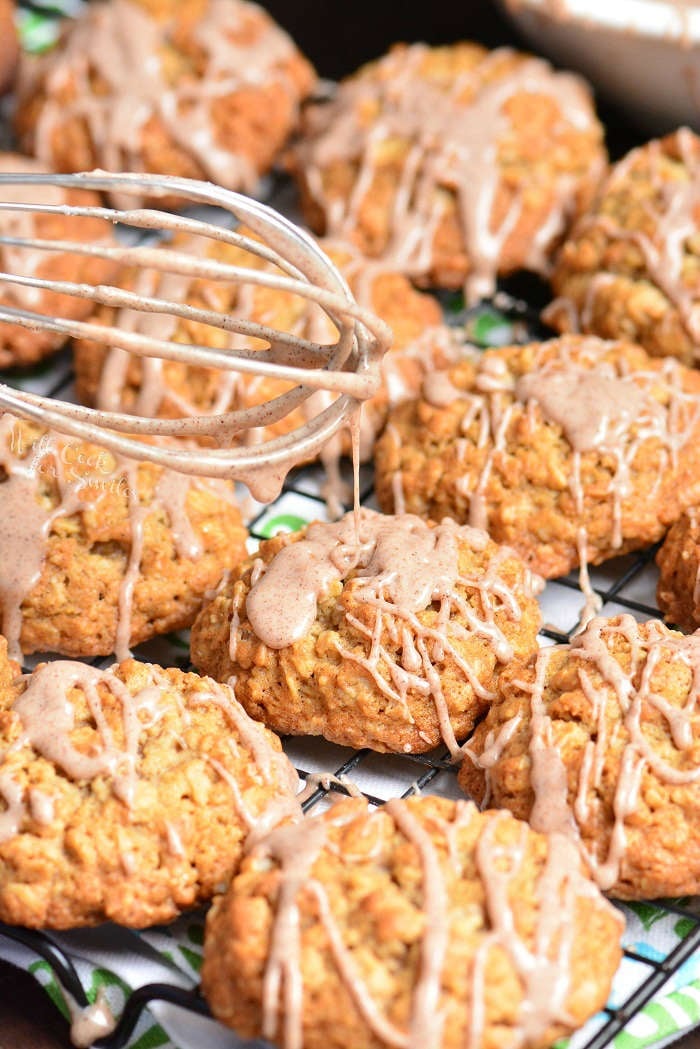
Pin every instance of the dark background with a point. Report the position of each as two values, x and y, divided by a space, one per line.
337 37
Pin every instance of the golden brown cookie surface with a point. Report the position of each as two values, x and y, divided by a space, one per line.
631 265
393 643
207 89
9 44
423 922
22 346
128 792
678 590
572 450
451 162
600 739
99 554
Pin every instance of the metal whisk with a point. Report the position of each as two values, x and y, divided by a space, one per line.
349 368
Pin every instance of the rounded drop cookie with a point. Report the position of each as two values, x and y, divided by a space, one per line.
100 553
572 451
454 164
206 89
423 923
389 637
128 793
600 740
630 268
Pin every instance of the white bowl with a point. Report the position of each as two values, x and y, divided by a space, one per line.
642 54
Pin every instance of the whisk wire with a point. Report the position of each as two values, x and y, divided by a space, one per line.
107 295
263 363
82 422
149 219
347 368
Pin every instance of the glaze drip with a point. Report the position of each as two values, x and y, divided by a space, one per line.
90 1022
594 409
47 715
271 765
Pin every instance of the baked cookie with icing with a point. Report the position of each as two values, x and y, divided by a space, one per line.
128 793
631 265
571 451
100 553
422 923
207 89
600 739
117 380
455 164
9 44
385 632
678 589
22 346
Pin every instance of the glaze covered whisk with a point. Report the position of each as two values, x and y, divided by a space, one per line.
328 380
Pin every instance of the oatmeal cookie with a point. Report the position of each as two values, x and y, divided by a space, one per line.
9 44
452 163
423 922
207 89
678 590
600 739
630 268
128 793
571 451
116 380
100 553
22 346
390 637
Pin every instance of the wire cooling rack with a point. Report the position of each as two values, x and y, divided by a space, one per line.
625 584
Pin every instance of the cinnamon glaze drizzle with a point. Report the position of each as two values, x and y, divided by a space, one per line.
45 479
396 566
121 46
600 406
540 959
48 719
631 685
453 140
